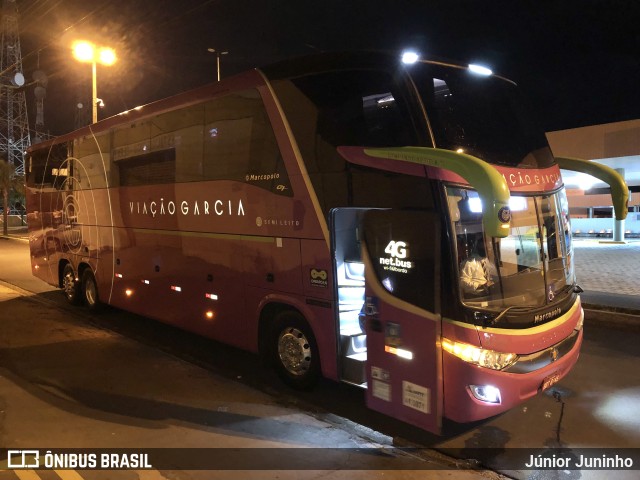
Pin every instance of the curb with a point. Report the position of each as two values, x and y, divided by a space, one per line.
620 318
15 236
19 290
601 307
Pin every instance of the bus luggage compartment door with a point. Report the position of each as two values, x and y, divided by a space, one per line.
401 252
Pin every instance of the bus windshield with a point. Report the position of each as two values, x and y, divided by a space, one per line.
530 267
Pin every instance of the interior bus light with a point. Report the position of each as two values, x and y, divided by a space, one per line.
146 282
128 292
479 356
475 204
211 296
118 275
402 353
516 204
209 314
175 288
486 393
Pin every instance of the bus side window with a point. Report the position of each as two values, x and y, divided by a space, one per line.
239 143
181 130
142 160
48 168
151 169
92 165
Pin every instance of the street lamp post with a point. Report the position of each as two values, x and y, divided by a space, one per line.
213 50
87 52
94 92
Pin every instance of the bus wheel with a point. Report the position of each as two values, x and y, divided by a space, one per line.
295 352
90 290
70 286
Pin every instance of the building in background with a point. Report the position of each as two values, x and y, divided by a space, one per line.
616 145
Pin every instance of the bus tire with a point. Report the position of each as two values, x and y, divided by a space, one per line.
294 351
90 290
70 286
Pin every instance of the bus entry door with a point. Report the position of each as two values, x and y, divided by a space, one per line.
400 251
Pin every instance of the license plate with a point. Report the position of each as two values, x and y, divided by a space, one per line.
550 380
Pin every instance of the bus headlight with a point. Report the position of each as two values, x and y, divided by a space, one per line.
479 356
486 393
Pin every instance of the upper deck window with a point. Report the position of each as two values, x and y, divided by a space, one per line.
482 116
225 138
239 143
353 107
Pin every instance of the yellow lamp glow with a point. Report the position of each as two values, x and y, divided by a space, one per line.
87 52
107 56
83 51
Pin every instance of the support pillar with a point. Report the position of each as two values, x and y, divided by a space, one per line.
618 225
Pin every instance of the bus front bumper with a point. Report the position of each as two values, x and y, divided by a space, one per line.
465 384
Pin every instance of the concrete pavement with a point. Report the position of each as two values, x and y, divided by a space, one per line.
609 273
65 384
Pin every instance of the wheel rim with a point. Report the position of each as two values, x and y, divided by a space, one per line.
90 291
69 284
294 351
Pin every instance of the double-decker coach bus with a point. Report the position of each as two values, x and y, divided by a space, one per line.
403 228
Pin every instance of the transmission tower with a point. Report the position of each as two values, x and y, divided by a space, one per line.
40 92
14 123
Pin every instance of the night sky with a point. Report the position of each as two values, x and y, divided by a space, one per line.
577 60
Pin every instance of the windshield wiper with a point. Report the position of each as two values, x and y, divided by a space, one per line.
487 321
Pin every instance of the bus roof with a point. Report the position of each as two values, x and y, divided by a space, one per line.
248 79
323 62
290 68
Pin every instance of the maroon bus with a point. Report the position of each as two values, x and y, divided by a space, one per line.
402 228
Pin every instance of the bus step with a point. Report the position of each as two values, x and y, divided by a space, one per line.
352 342
353 369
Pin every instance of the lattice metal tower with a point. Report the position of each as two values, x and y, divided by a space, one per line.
14 123
40 92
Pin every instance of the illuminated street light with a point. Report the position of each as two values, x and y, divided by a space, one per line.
213 50
87 52
409 58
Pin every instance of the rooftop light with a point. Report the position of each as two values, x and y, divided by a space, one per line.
409 58
480 70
